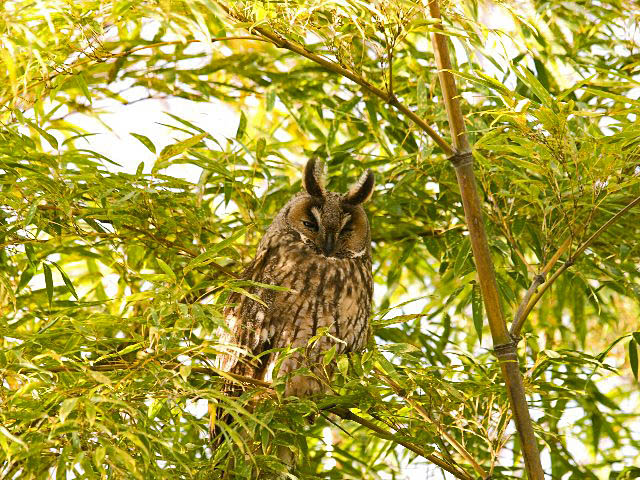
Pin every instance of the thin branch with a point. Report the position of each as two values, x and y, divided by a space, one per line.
162 241
341 412
116 366
92 57
572 259
188 251
425 415
539 279
333 67
517 319
349 415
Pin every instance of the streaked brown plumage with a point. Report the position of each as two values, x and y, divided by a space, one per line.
319 247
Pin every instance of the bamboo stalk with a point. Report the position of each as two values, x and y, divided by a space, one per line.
473 214
504 347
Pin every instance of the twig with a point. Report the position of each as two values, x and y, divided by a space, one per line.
539 279
349 415
436 232
116 366
97 58
572 259
188 251
517 319
335 68
341 412
161 241
425 415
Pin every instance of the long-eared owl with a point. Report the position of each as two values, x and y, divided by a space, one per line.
318 248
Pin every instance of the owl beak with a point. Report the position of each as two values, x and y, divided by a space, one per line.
329 244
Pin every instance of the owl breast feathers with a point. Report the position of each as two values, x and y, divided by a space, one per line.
319 248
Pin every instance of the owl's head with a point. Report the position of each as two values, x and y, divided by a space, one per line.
335 224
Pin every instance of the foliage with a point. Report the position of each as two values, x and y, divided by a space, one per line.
113 280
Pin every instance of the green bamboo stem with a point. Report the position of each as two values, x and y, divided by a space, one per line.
504 347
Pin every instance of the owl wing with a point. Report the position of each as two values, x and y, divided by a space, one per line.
246 335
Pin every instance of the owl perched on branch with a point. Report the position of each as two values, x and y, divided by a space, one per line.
319 248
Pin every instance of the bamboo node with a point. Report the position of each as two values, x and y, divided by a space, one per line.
506 352
461 159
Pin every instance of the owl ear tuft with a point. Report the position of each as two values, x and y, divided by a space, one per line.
314 178
362 190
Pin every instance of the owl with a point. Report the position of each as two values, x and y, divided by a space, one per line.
318 248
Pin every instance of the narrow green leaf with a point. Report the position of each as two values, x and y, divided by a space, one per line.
27 275
66 280
145 141
82 83
212 251
328 355
633 357
185 122
167 269
618 98
260 147
185 371
477 310
31 254
596 429
248 294
463 254
95 225
48 280
67 407
51 140
30 213
12 437
343 365
154 407
271 100
77 137
530 80
422 95
98 456
100 377
242 126
5 285
387 366
177 148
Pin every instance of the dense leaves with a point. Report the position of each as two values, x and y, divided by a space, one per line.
113 277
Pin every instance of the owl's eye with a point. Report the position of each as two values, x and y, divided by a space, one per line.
347 228
310 225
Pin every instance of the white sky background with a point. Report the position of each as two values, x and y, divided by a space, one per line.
143 117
